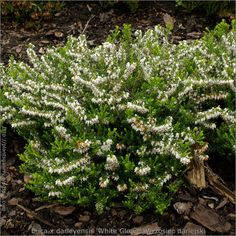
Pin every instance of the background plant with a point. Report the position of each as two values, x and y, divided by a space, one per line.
123 120
132 4
210 7
22 11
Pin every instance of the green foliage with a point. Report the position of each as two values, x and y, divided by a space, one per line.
22 11
132 4
121 121
210 7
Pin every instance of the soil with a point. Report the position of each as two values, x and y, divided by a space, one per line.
192 212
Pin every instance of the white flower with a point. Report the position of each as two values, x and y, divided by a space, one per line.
111 163
103 183
54 194
121 187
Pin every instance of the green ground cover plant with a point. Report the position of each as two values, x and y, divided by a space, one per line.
121 121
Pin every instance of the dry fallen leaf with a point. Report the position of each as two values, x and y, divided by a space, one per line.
63 210
183 207
36 229
169 21
27 178
13 202
84 218
59 34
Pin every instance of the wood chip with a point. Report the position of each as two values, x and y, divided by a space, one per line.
46 207
138 220
84 218
183 207
59 34
35 216
210 219
222 203
63 210
13 202
193 229
78 225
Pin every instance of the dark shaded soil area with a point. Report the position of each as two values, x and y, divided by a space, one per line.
193 211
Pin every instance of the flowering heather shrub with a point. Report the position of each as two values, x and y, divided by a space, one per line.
123 120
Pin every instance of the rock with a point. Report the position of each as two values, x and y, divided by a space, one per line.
210 219
138 220
183 207
192 229
84 218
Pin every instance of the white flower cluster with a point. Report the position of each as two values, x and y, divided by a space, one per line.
111 163
54 194
63 132
81 163
142 169
83 146
106 146
103 182
69 181
165 179
122 187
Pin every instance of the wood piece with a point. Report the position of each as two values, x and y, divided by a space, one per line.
210 219
218 185
35 216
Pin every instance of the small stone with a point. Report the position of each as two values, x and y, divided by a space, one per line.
138 220
84 218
